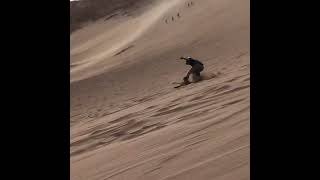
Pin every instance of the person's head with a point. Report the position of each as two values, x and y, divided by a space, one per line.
188 60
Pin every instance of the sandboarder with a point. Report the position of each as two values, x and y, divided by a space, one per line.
197 67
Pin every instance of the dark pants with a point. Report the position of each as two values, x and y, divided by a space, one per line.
195 71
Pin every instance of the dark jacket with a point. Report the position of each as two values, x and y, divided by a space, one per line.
193 62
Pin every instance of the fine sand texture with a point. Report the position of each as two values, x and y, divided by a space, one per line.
127 120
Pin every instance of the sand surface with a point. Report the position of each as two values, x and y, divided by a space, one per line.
129 123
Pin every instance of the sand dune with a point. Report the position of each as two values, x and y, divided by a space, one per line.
127 120
126 32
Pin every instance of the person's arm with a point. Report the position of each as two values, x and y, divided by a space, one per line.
189 72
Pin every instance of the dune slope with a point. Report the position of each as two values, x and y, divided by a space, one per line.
128 122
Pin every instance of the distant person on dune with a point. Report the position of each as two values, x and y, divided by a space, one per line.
197 67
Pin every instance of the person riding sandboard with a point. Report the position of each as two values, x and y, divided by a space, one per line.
197 67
